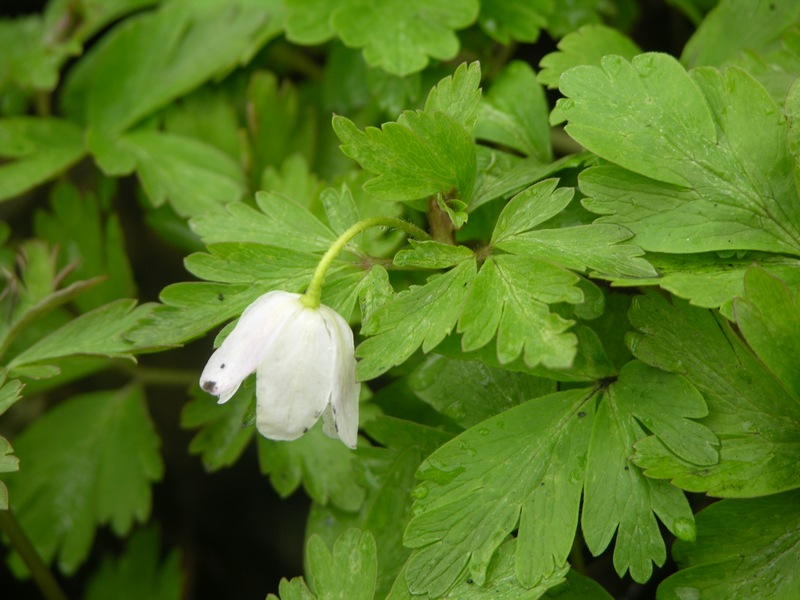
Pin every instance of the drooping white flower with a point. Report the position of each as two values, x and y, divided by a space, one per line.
305 366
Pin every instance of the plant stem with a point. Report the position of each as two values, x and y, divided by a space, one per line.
312 296
39 571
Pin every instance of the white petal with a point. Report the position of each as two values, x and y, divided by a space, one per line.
345 389
293 381
244 348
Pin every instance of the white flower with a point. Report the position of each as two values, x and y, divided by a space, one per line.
305 367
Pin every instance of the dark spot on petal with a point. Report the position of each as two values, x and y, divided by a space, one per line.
222 366
209 386
336 426
305 430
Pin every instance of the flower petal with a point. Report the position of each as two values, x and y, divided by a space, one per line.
345 389
293 381
244 348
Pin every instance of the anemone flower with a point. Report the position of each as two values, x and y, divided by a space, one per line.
305 366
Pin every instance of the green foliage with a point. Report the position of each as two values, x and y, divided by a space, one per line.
10 392
756 558
80 472
137 574
396 35
709 170
425 152
36 150
757 455
452 538
323 464
570 306
347 572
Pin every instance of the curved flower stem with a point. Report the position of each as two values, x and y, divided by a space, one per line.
312 296
19 541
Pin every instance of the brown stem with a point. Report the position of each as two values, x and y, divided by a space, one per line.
441 226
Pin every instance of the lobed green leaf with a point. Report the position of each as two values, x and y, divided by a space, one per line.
89 461
522 469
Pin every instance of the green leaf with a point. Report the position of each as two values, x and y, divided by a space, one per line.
520 20
665 405
709 167
524 469
617 497
276 107
432 255
388 476
323 465
33 53
420 155
458 95
247 262
192 175
296 589
10 391
710 280
577 13
421 316
596 247
400 35
92 240
191 309
734 27
8 463
375 292
208 116
101 332
38 149
755 559
36 294
138 574
578 587
469 391
293 178
505 120
89 461
768 315
222 436
502 174
341 210
510 297
501 581
590 363
150 59
281 222
756 420
584 46
531 207
308 22
347 573
246 271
